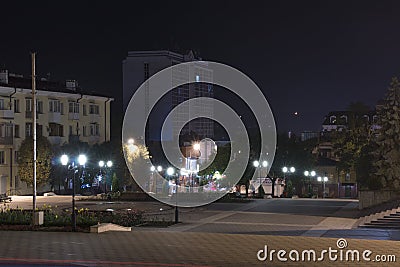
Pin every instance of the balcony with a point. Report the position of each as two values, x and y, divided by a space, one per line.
54 117
73 116
7 114
54 140
8 140
29 115
73 138
94 118
93 139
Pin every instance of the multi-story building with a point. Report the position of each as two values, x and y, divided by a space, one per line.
64 114
341 183
140 65
343 120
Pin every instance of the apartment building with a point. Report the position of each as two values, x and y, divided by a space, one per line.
65 113
138 66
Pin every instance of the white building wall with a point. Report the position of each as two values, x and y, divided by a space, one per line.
15 112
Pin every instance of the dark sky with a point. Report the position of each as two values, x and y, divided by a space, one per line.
307 56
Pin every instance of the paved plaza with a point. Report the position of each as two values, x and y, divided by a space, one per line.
220 234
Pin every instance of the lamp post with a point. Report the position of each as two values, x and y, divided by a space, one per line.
152 169
159 169
256 164
287 170
323 180
170 173
102 164
196 147
309 174
81 161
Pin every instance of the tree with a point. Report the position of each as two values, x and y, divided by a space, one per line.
220 161
115 183
387 152
43 160
352 145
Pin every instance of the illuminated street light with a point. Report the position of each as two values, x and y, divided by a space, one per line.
196 146
154 182
64 160
287 170
82 161
323 180
265 163
170 172
103 164
309 174
256 164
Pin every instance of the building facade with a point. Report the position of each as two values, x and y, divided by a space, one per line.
141 65
64 114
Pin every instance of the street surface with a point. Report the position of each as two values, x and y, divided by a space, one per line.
220 234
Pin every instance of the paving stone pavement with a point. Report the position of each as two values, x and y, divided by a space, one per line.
161 248
219 235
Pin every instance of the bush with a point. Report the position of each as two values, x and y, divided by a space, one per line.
84 217
15 217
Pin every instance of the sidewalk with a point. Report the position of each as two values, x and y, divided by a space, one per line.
153 248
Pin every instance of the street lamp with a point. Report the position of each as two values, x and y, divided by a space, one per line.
196 146
323 180
287 170
309 174
107 164
171 172
152 169
81 161
256 164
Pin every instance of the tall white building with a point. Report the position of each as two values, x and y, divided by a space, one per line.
64 114
140 65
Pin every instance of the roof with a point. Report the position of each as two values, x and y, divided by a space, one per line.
18 81
326 162
348 114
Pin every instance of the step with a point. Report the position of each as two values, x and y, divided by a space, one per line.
105 227
380 226
383 222
388 218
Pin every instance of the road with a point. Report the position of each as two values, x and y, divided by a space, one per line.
308 217
219 234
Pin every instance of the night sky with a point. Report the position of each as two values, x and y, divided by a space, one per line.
309 57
